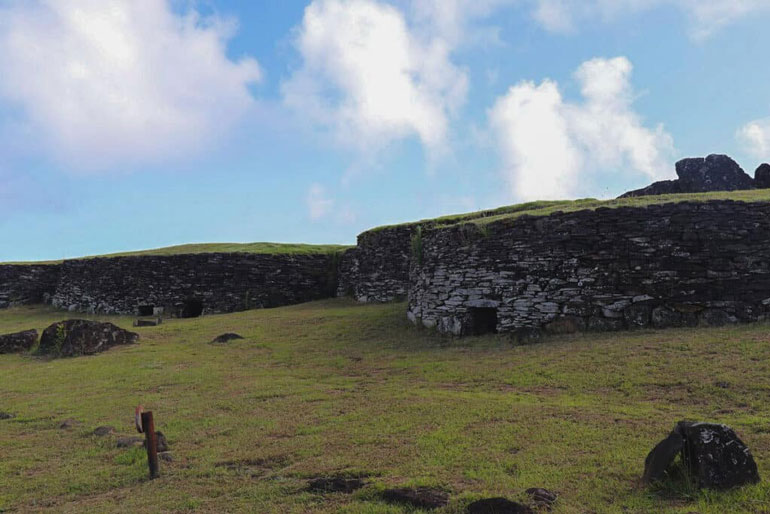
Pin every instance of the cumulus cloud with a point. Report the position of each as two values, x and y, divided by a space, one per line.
755 136
319 204
706 15
109 82
371 78
551 147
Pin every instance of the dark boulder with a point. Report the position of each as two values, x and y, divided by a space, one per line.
762 177
335 485
18 342
664 187
226 338
419 497
498 506
713 455
714 173
700 175
6 415
716 456
80 337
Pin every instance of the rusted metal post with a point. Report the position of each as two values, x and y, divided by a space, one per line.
148 426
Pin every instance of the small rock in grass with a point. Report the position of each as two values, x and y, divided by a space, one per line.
129 442
6 415
498 506
335 485
723 385
226 338
542 498
69 424
103 431
162 442
420 497
166 456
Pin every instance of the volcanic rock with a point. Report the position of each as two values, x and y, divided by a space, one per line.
226 338
700 175
713 455
18 342
762 177
76 337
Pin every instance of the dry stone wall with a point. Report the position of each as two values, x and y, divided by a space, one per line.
377 270
27 284
188 285
610 269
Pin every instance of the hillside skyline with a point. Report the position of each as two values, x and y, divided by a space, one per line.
129 125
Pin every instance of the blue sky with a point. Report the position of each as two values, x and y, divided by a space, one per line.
129 124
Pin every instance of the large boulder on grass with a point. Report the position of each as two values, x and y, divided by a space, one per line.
77 337
18 342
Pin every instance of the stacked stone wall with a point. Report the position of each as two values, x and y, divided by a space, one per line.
27 284
377 270
665 265
221 282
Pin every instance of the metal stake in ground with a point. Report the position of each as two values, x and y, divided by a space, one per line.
151 438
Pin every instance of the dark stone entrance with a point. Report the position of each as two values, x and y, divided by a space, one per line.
192 308
481 321
145 310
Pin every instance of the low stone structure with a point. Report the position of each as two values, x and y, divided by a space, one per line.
668 265
701 175
377 270
18 342
27 284
76 337
194 284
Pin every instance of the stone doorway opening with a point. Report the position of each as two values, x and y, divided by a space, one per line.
481 321
192 308
145 310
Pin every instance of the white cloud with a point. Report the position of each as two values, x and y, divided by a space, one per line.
110 82
551 148
755 136
706 16
319 204
371 78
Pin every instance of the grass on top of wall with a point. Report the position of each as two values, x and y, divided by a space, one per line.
544 208
198 248
333 387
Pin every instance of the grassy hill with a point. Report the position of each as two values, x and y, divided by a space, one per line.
544 208
262 248
332 387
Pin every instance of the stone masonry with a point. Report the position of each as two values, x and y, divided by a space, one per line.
678 264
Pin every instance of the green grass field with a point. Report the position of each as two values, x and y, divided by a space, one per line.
196 248
332 387
544 208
